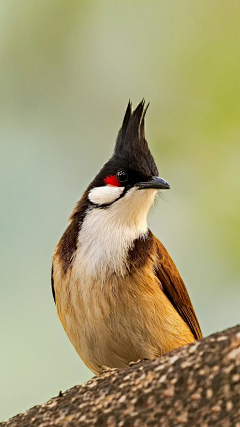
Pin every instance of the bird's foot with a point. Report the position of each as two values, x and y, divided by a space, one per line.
137 362
107 369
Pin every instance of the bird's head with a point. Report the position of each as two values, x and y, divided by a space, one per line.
129 180
113 210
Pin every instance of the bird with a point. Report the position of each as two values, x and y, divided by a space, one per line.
118 293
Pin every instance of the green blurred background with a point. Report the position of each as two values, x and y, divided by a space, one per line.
67 71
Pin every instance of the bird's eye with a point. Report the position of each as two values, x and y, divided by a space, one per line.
121 176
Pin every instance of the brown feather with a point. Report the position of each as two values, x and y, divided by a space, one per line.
127 319
174 288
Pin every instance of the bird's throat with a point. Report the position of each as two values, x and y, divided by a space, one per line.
107 235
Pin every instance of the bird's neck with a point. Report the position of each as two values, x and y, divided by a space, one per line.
107 235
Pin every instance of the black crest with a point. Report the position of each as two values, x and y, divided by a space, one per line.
131 144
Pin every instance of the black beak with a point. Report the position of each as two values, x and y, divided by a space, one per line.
156 182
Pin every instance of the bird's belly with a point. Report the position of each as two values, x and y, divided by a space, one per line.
120 321
103 332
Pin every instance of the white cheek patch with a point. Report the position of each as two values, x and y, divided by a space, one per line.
104 195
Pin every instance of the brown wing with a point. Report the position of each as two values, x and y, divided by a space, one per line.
174 288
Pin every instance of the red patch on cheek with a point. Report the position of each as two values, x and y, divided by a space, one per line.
112 180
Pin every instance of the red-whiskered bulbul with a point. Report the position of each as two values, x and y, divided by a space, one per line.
118 293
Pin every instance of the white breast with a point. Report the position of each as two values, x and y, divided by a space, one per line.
107 234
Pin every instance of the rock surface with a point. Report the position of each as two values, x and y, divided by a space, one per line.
196 385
